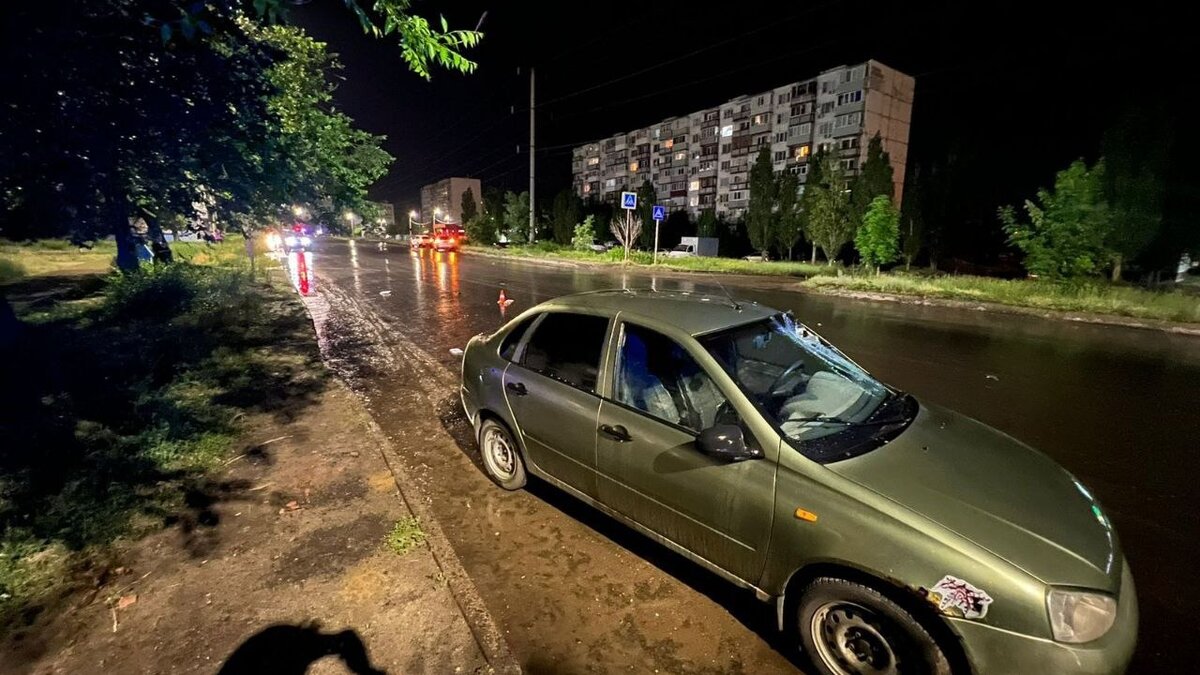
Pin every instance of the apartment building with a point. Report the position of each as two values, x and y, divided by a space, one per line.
702 160
444 198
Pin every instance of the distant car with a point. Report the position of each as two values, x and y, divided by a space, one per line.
892 535
598 248
682 251
421 241
756 257
445 242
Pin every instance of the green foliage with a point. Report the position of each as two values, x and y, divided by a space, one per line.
647 198
481 230
827 207
516 216
584 234
1065 236
117 409
788 230
875 178
912 219
405 535
10 270
878 238
707 226
566 212
469 207
760 214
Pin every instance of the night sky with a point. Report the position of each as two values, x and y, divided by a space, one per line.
1019 90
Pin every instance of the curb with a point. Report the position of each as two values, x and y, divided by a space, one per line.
466 596
470 604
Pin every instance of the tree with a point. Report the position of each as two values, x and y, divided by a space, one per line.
1134 166
829 225
162 105
516 215
626 228
788 231
760 214
565 215
875 178
481 230
912 218
805 205
584 234
469 207
707 225
878 239
1068 225
647 197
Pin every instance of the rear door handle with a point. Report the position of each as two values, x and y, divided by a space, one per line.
617 433
516 388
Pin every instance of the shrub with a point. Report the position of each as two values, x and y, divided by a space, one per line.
10 270
585 234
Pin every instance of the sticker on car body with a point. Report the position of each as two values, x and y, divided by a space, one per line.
960 598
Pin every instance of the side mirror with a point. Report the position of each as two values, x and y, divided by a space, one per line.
725 442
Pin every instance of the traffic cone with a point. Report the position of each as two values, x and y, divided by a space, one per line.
504 300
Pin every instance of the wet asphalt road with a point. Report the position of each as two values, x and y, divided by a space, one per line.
576 592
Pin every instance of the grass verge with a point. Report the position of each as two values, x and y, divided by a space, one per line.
1098 298
615 256
406 534
118 396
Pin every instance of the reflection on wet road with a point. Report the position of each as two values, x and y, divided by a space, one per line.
1116 406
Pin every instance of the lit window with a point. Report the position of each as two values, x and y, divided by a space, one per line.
593 161
669 143
633 166
727 131
681 155
694 185
587 188
802 151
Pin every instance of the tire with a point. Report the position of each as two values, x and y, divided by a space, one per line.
851 629
501 456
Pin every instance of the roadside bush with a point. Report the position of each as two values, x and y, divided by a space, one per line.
10 270
546 246
585 234
481 230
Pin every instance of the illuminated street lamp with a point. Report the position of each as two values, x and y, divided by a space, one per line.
412 217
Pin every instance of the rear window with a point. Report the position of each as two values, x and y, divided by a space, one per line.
566 347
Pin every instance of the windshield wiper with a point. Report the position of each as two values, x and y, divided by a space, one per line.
851 423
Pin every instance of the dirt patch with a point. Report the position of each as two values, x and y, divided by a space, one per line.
272 585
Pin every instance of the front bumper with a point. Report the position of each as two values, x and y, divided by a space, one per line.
994 650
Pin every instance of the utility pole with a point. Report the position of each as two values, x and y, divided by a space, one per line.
532 150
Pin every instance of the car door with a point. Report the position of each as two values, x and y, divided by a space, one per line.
649 466
551 390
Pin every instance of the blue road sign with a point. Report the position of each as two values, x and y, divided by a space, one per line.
660 212
629 200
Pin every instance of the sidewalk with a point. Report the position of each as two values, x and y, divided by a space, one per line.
288 568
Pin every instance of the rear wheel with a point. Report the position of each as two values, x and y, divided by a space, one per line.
501 459
851 629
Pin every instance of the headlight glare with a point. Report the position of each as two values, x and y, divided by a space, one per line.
1080 616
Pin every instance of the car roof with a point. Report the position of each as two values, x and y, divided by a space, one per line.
693 313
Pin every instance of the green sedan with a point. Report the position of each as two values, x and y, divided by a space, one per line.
892 536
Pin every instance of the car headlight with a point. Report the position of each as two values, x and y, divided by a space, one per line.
290 241
305 241
1079 616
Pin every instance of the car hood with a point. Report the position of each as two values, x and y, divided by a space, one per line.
997 492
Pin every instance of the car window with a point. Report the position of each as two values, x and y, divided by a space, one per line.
658 376
508 348
567 347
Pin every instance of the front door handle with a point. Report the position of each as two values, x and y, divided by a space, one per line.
617 433
516 388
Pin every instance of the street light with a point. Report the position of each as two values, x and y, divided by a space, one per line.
412 216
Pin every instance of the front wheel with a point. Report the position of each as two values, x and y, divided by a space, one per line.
851 629
501 459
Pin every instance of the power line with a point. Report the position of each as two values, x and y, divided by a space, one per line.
690 54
